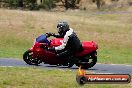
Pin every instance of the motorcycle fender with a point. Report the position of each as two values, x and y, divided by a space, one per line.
34 55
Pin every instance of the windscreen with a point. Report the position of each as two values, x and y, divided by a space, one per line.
42 39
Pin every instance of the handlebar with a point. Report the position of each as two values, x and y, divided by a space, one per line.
49 34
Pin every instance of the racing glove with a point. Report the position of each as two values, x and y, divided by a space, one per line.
50 34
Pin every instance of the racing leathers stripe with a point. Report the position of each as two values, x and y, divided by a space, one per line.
65 40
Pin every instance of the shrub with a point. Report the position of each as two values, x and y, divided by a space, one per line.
47 4
31 4
12 3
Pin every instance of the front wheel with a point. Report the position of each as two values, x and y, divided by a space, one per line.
89 60
27 57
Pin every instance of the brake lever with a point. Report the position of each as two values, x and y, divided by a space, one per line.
47 36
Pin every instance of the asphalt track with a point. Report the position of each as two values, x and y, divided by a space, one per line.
98 68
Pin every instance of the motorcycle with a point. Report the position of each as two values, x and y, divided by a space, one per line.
39 53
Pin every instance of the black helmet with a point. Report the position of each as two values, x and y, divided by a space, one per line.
62 27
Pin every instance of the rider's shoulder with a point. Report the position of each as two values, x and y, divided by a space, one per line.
68 33
71 29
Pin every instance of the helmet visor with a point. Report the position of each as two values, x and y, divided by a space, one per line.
59 28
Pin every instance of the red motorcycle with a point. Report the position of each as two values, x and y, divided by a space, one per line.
87 57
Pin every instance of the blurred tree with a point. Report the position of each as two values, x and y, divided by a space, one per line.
20 3
31 4
70 3
12 3
41 1
99 3
48 4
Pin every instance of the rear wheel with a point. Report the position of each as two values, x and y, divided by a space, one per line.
89 60
27 57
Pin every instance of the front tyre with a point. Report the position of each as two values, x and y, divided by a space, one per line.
27 57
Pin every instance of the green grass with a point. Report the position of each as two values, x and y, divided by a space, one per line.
112 55
13 47
112 32
33 77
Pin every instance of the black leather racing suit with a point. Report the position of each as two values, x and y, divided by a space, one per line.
70 45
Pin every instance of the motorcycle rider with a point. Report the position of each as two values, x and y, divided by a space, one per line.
71 43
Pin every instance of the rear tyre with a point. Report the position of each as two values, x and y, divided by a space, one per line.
27 57
89 60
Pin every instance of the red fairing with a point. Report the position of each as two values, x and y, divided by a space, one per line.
56 42
48 57
35 49
88 47
39 51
